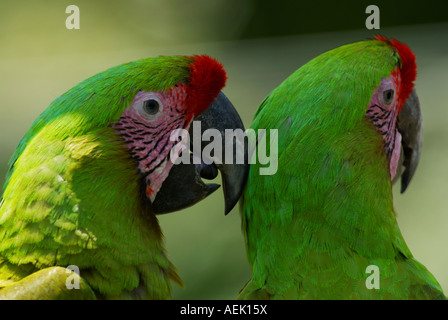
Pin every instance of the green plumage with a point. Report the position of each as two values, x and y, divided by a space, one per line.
313 227
48 216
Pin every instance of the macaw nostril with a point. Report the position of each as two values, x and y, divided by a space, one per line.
207 171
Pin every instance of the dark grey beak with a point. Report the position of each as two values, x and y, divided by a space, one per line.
184 186
411 130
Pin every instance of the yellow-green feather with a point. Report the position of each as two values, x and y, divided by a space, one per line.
73 194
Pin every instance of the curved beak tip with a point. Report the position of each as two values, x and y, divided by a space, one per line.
233 188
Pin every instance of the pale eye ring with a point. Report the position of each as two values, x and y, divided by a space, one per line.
388 96
149 107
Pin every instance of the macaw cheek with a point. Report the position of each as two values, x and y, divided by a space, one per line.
395 156
184 186
411 130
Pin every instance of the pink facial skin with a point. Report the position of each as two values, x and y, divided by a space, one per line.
147 134
383 113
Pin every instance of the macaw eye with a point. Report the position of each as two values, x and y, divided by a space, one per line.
388 96
151 106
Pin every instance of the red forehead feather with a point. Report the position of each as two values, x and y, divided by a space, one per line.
408 67
207 78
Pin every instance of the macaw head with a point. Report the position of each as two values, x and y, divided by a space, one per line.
394 110
157 128
141 105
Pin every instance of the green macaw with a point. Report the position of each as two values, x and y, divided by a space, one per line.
88 178
323 226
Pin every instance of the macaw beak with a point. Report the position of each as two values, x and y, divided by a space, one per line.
184 186
411 130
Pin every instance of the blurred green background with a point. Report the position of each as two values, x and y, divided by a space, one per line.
260 43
